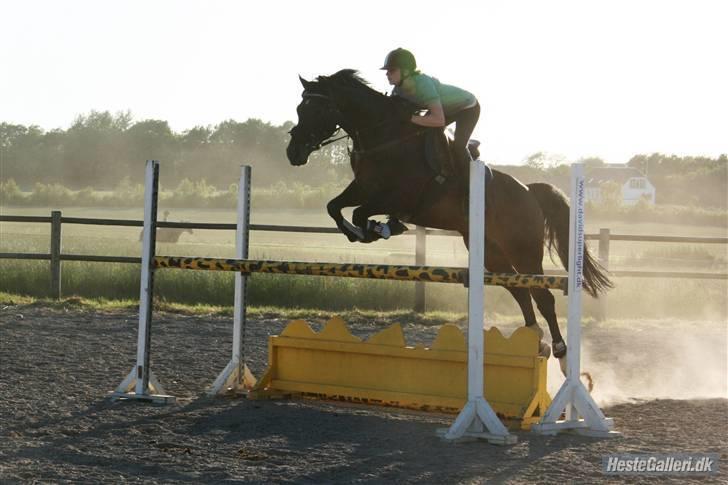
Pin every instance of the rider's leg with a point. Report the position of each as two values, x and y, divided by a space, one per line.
465 122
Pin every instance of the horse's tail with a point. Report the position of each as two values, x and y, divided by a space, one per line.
555 208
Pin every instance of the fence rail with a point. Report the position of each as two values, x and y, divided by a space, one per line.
55 256
198 225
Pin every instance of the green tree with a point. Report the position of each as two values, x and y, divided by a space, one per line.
149 140
611 195
94 149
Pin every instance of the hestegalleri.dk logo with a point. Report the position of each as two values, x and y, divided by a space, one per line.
661 464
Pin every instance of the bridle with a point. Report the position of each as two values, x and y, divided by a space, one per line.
328 139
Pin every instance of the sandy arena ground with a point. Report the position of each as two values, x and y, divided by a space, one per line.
57 425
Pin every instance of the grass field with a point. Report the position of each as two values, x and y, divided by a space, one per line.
632 296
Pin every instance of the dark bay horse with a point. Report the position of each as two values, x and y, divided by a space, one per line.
391 178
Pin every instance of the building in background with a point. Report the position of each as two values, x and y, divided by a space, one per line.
633 184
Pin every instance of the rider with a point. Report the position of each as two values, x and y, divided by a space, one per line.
444 103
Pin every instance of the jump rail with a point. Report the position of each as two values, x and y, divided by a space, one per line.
430 274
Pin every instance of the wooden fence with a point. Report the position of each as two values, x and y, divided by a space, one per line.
604 237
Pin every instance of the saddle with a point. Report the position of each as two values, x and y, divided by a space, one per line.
440 158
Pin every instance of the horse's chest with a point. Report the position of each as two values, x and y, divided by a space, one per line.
366 172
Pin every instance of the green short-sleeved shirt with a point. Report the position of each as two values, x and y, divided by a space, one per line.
426 89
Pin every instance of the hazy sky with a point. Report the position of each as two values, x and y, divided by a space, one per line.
576 78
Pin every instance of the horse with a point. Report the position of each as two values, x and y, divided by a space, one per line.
392 178
167 234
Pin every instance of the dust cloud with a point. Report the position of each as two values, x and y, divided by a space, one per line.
632 360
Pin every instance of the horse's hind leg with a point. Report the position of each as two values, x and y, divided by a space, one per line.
524 250
497 262
529 261
546 304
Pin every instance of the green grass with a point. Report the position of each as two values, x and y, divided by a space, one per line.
289 195
632 297
350 315
121 282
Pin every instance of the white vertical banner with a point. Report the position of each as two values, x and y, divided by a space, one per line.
582 415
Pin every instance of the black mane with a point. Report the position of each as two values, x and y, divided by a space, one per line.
349 78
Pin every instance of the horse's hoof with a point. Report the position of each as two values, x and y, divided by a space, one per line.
544 350
369 239
559 349
396 227
562 364
589 381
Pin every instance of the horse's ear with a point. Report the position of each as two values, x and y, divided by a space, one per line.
304 83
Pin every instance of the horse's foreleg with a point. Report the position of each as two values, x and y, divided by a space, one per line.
350 197
361 215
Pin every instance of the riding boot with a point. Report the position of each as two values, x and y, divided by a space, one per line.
437 154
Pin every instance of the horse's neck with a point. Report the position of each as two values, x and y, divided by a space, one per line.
364 117
374 129
375 132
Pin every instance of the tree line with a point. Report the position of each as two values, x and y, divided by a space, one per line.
101 149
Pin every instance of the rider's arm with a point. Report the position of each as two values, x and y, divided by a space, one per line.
435 116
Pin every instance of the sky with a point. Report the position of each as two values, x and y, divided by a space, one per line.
574 79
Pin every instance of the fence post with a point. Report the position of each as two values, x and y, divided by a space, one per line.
604 260
56 255
420 260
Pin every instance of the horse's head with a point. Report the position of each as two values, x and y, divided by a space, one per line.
318 120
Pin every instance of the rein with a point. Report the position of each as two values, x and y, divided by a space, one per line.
389 143
332 140
376 148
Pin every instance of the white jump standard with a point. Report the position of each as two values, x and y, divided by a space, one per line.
477 419
582 414
141 379
236 377
141 384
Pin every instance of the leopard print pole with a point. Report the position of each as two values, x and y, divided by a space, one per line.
432 274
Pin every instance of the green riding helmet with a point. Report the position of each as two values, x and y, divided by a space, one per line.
400 58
